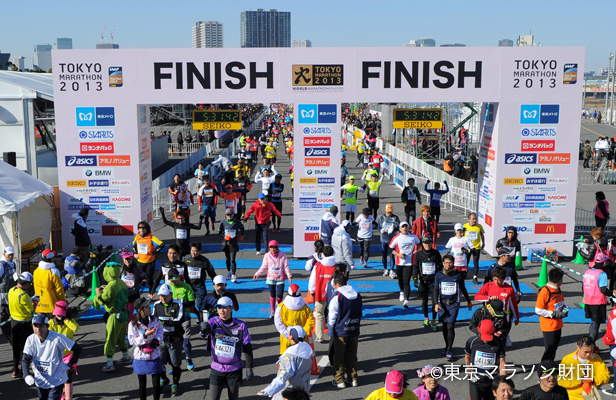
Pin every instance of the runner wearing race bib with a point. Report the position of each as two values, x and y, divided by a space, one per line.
183 292
133 277
182 230
145 247
364 235
435 198
389 225
208 198
504 257
232 230
275 194
410 196
403 245
198 268
459 246
487 355
173 261
373 187
475 233
350 201
231 199
427 264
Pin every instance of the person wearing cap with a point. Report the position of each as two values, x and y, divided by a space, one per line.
343 325
389 226
198 268
410 196
361 149
114 297
504 261
583 379
276 265
431 389
373 188
170 312
343 245
228 339
448 284
596 291
320 276
183 292
242 165
263 211
75 267
208 305
47 283
7 281
145 334
181 229
64 324
487 356
329 222
21 309
145 248
403 248
475 233
294 364
498 289
133 278
502 388
366 159
395 388
173 261
232 231
459 246
184 199
376 160
493 310
80 231
350 197
364 235
208 199
425 266
275 195
368 172
242 185
435 198
265 177
548 387
231 199
426 225
43 352
292 311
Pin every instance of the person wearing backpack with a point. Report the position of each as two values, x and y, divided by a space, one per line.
550 307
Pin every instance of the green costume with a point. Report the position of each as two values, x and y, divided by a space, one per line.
115 299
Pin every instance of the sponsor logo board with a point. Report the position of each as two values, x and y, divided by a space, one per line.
98 172
537 171
544 229
517 158
80 161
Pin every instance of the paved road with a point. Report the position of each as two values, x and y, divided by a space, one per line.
404 345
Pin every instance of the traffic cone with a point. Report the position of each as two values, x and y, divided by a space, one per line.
518 261
582 303
309 299
578 257
315 369
95 282
543 275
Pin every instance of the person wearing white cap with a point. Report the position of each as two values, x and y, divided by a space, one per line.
460 246
7 281
170 312
295 364
21 309
47 283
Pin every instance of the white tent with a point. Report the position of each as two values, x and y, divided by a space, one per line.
25 209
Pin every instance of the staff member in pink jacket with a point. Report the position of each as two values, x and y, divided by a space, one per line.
277 265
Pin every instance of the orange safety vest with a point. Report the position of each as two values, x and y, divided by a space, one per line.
147 255
446 166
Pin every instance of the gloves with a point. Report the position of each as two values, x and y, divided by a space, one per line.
416 283
249 374
558 314
29 380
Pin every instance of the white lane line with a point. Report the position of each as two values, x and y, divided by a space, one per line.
322 363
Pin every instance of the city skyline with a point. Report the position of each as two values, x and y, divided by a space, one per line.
265 28
149 28
207 34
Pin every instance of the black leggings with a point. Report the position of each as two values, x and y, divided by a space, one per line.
143 386
276 291
278 206
593 330
233 392
449 334
373 206
404 279
551 340
20 330
149 270
230 253
425 294
475 254
350 216
364 248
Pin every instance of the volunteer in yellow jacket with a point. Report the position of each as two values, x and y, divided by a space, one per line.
48 283
21 308
292 311
583 370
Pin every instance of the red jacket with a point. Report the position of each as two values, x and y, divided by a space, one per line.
419 227
263 212
608 338
505 293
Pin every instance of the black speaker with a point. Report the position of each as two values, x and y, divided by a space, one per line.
10 158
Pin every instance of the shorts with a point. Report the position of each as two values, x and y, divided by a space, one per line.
451 313
596 312
233 378
350 207
186 327
148 367
435 210
209 211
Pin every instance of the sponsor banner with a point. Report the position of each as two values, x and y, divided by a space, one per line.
307 194
118 230
518 158
510 205
119 182
545 219
114 161
558 181
78 183
121 199
75 200
512 197
124 207
80 161
526 204
519 211
108 206
96 148
98 172
95 231
325 180
559 204
98 199
317 162
534 211
110 191
93 220
112 221
317 130
308 220
536 181
86 191
78 207
307 180
537 171
545 229
311 236
98 182
534 197
488 220
307 200
538 145
522 189
542 132
318 141
513 181
523 219
554 158
557 197
318 171
543 204
491 155
113 213
522 228
546 189
316 152
550 210
86 135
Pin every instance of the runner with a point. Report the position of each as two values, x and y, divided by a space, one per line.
232 231
485 354
374 187
510 239
64 324
426 225
133 278
548 388
459 246
361 149
475 233
198 268
276 264
504 258
410 196
231 200
208 198
431 388
292 311
344 171
376 160
316 256
242 185
492 311
448 284
182 229
275 194
403 245
183 292
427 263
343 245
184 199
263 211
145 247
173 261
199 174
596 290
350 197
228 338
395 388
364 235
270 153
266 179
389 226
435 198
552 309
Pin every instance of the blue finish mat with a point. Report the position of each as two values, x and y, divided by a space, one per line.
287 248
373 312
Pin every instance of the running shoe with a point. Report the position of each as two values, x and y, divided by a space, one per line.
509 344
207 232
449 357
361 260
475 281
385 273
339 385
233 278
125 359
190 364
401 298
434 326
272 314
426 323
175 391
355 383
163 382
406 304
259 253
109 367
392 274
229 275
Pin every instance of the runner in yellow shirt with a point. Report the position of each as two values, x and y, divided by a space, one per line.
475 233
270 153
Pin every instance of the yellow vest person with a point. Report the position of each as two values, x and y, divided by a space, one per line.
48 284
574 370
292 311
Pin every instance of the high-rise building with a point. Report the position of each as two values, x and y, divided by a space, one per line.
301 43
207 34
104 46
4 59
505 43
412 43
64 43
425 42
526 40
20 63
453 45
42 57
265 28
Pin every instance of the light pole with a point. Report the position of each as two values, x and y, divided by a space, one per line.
609 71
611 120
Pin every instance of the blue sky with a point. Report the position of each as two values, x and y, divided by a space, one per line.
334 23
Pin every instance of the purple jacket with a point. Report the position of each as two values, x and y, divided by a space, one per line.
441 393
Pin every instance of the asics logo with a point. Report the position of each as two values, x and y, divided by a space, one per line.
85 116
530 114
307 113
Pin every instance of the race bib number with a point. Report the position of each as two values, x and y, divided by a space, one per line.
449 288
412 195
459 260
484 359
229 203
472 235
230 233
165 327
350 195
194 272
224 348
181 234
366 225
374 193
428 268
436 197
208 193
129 281
43 367
142 248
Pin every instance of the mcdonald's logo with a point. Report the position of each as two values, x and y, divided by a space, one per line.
118 230
546 229
311 236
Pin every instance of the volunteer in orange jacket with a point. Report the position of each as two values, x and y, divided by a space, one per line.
48 284
263 210
551 308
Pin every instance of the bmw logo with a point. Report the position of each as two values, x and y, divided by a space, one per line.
88 172
306 130
83 135
527 171
309 172
525 132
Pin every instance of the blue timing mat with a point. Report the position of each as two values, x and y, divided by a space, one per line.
373 312
287 248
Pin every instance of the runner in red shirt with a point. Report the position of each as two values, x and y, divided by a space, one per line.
498 289
376 160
